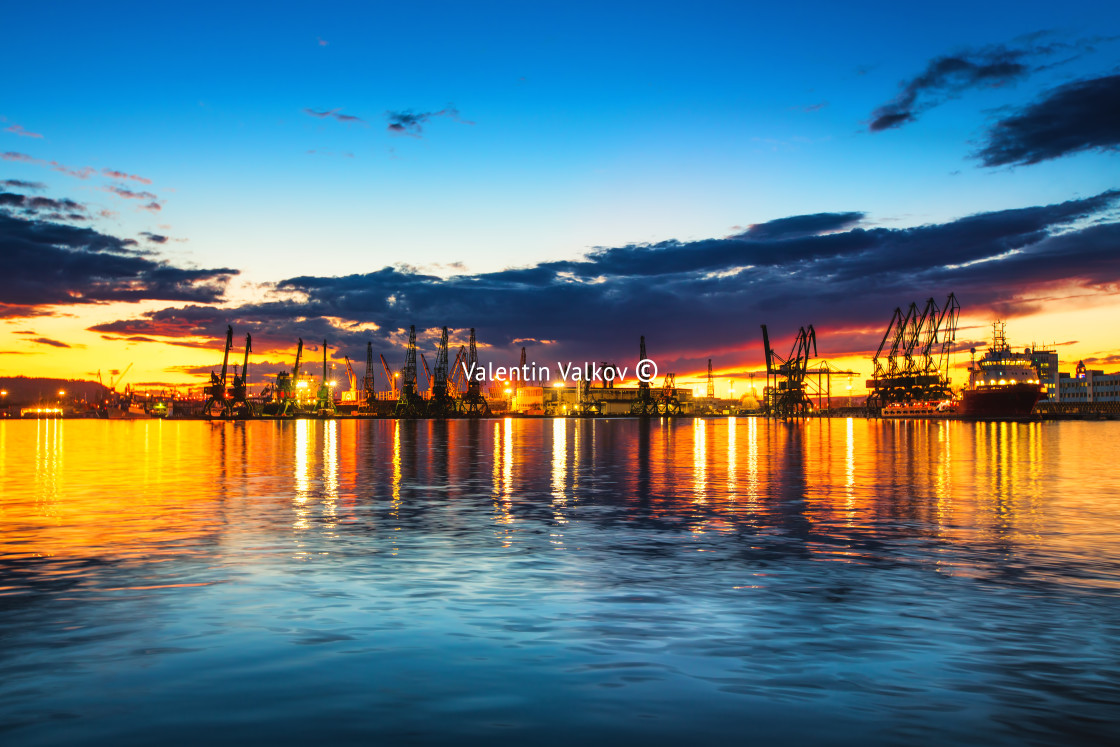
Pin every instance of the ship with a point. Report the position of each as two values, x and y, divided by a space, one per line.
1003 384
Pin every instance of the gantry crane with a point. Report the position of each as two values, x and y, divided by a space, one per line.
457 377
238 404
216 392
473 403
915 367
784 395
668 403
285 401
369 384
440 403
324 400
644 406
409 403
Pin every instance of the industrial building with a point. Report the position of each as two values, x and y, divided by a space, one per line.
1087 386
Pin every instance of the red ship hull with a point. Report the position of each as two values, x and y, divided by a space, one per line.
1012 401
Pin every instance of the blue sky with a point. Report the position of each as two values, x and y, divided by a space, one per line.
578 125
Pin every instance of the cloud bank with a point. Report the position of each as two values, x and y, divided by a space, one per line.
699 298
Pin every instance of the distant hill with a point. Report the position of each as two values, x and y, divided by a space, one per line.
24 390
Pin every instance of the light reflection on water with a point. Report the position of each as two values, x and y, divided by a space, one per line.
837 581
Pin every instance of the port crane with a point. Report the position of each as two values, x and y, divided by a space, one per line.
369 384
324 400
784 395
409 403
440 404
457 377
644 406
914 367
216 391
286 402
667 401
473 404
238 405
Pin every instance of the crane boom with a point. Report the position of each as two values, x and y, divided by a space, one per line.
225 357
245 365
295 368
427 371
389 376
350 377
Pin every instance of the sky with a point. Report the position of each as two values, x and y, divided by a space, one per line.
560 176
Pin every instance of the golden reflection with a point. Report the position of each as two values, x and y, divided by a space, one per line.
699 460
850 469
48 462
303 486
503 474
559 456
330 475
732 471
395 483
943 470
752 459
577 431
559 478
507 460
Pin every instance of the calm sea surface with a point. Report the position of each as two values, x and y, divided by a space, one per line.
559 582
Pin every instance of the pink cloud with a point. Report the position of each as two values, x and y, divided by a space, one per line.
128 194
122 175
82 173
17 130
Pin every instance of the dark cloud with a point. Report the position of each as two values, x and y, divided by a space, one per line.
21 184
986 67
412 123
802 225
155 238
64 209
48 341
48 263
949 75
694 299
334 114
1079 116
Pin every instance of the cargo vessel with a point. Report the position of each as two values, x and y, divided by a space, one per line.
1003 384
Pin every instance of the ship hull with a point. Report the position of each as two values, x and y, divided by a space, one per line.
996 403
